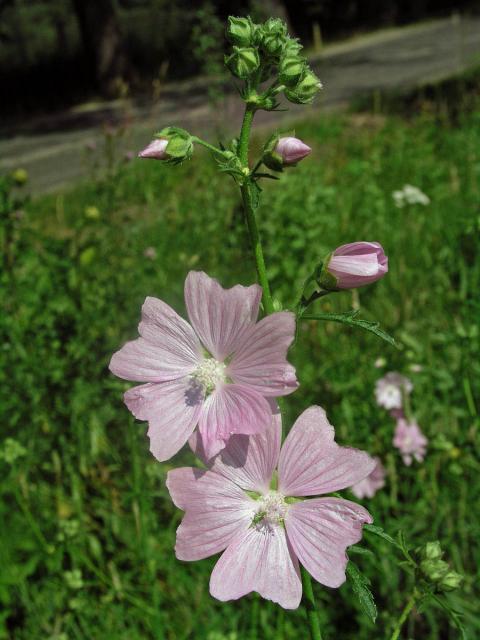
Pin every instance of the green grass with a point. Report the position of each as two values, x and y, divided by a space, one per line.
88 497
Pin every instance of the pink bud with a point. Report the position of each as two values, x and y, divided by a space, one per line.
156 150
357 264
291 150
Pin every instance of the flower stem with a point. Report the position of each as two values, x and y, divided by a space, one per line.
310 605
404 615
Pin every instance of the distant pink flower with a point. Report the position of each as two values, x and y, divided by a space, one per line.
369 486
357 264
292 150
389 390
217 372
265 533
150 253
410 441
156 150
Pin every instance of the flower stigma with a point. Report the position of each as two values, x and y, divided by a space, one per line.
271 510
209 374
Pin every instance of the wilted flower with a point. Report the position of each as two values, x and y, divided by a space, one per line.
354 265
410 441
235 505
156 150
390 388
410 195
150 253
217 373
369 486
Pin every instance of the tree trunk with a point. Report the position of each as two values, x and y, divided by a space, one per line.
103 43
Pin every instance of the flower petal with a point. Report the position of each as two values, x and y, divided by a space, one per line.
220 316
258 560
312 463
232 408
172 410
260 360
216 511
249 461
167 349
319 532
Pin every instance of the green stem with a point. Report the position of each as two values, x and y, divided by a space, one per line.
244 139
207 145
404 615
310 605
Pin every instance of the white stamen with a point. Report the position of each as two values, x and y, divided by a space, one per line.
271 510
209 374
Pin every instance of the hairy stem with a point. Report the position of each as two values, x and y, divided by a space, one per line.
404 615
310 606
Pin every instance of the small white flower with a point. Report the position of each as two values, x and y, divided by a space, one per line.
410 195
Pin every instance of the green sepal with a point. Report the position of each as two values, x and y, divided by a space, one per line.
243 61
241 31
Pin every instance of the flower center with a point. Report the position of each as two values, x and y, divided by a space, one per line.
209 374
271 510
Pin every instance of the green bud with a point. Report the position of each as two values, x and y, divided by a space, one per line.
305 90
431 551
273 36
240 31
243 61
291 69
292 47
434 570
180 144
20 177
451 581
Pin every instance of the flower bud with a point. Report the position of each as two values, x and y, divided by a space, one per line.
286 152
431 551
273 36
451 581
20 177
240 31
305 90
353 265
434 570
243 61
155 150
291 69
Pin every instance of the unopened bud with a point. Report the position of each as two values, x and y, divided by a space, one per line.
353 265
434 570
20 177
173 145
240 31
291 69
156 150
243 61
432 551
285 152
273 36
305 90
451 581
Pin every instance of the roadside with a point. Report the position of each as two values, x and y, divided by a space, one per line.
52 149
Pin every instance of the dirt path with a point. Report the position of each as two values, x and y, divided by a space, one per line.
53 149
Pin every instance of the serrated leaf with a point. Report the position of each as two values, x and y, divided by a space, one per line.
360 585
378 531
361 551
350 318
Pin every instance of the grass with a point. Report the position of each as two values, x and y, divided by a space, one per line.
86 525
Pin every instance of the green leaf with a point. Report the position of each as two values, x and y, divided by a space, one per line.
361 551
360 585
378 531
453 615
350 318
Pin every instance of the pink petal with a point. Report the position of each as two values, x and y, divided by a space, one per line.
232 408
249 461
260 360
172 410
167 349
258 560
320 530
216 511
312 463
220 316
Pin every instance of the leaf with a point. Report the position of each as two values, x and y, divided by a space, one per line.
266 175
378 531
452 614
360 585
361 551
350 318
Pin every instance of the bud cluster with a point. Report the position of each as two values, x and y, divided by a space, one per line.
436 570
263 51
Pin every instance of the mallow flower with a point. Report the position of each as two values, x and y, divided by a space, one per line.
156 150
410 441
369 486
258 515
216 372
354 265
390 389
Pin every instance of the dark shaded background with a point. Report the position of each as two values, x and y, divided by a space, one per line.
54 53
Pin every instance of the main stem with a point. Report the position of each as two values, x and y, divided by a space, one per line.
246 189
405 613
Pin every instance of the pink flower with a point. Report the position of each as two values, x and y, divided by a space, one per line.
150 253
155 150
410 441
357 264
265 532
217 372
291 150
389 390
369 486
